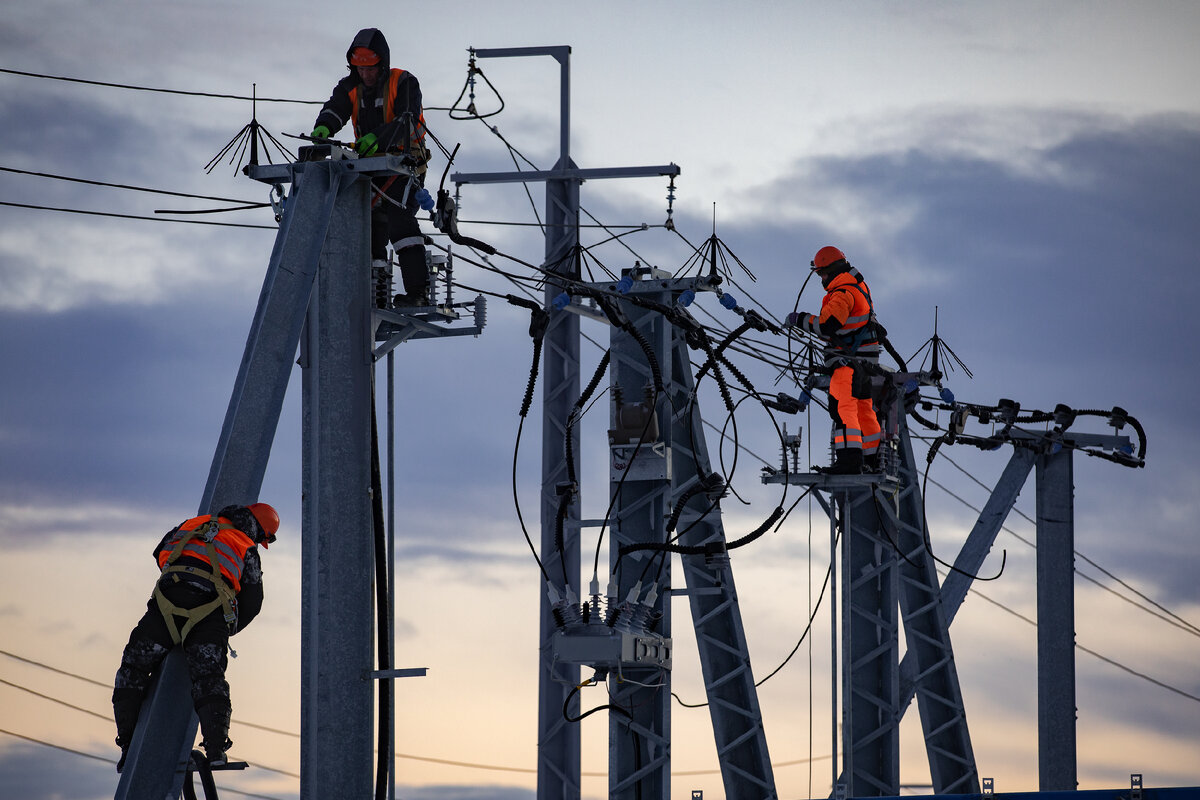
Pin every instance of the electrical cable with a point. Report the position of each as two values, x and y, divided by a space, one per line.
1167 615
127 186
162 91
135 216
803 636
107 760
382 581
610 706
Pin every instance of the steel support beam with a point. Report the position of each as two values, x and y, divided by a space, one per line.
336 598
720 635
870 647
930 654
166 730
558 741
644 499
639 740
1056 622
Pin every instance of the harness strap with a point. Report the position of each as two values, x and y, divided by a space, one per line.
192 615
226 600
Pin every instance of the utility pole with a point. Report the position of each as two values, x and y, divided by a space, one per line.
317 295
885 561
558 741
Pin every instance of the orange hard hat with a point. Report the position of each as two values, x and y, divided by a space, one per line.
827 256
364 57
268 520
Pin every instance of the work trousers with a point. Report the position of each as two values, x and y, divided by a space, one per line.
394 219
150 641
855 425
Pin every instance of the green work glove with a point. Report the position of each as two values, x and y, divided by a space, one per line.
320 132
367 144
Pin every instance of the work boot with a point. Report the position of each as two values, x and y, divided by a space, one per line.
415 275
127 703
871 463
846 462
214 714
215 755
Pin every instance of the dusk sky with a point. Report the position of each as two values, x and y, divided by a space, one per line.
1027 171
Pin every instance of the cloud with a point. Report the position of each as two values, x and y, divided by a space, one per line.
35 772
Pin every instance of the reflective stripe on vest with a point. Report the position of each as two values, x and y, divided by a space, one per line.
389 109
229 544
854 337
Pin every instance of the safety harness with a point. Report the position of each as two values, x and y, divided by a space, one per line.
867 331
226 599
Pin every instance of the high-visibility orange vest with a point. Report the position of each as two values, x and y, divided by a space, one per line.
850 336
229 544
389 110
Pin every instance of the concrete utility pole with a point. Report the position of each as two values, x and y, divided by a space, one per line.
558 741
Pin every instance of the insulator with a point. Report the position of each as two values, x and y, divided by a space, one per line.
1064 415
480 311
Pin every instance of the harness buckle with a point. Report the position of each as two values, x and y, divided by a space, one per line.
209 530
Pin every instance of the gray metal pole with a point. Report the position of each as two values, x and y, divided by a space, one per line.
167 727
1056 622
639 740
336 602
559 741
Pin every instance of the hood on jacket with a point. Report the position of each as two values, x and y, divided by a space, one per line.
372 39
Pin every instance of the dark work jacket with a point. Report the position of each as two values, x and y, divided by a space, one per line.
371 103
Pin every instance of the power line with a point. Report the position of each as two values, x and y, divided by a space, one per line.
1170 617
113 761
163 91
124 186
1091 652
104 717
136 216
406 756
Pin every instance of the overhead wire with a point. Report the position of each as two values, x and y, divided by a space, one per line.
1167 615
135 87
125 186
136 216
1179 621
238 722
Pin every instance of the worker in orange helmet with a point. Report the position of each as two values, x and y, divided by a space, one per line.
847 324
383 104
209 588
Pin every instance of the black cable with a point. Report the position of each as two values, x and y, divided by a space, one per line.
381 606
804 635
125 186
135 216
164 91
610 706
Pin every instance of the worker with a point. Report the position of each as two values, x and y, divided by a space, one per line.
210 587
847 324
384 106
